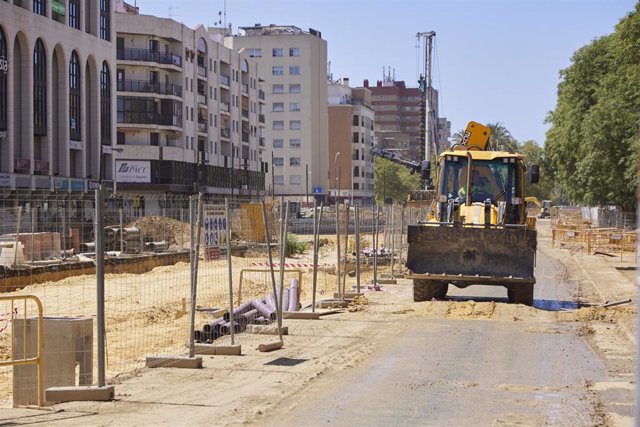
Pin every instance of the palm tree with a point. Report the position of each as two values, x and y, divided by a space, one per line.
501 139
457 137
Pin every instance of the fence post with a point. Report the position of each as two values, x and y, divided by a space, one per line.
357 247
338 250
194 277
99 248
317 218
375 218
230 268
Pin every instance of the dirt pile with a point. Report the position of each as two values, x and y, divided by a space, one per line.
158 228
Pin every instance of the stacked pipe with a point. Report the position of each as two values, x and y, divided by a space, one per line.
255 312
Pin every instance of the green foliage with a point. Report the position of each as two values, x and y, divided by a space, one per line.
500 138
594 137
294 246
534 155
393 180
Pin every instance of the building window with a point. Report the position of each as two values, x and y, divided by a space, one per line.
278 179
294 143
74 14
277 51
255 53
277 71
278 125
278 107
294 51
105 22
355 121
121 138
278 143
294 106
295 88
105 105
277 88
294 161
4 95
39 7
295 179
294 70
39 89
295 125
74 97
356 137
278 161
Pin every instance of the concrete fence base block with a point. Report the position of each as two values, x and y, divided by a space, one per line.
74 394
352 295
387 281
276 345
174 362
332 304
305 315
266 329
218 350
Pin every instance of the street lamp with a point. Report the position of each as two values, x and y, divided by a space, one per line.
306 186
336 172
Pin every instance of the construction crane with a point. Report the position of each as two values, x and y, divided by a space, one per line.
428 120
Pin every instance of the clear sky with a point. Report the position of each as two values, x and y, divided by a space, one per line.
495 61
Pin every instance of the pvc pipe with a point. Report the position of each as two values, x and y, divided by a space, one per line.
265 310
285 300
293 295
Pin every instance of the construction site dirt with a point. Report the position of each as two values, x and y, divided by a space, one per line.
471 359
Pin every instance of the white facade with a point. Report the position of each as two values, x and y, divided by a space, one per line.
293 64
189 106
57 86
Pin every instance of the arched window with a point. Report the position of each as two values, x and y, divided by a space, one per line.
105 22
105 105
74 98
74 14
4 70
39 90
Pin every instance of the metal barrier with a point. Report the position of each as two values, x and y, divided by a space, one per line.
25 360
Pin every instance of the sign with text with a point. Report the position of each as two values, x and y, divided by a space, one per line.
215 231
133 171
5 180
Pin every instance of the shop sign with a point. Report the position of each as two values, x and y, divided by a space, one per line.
133 171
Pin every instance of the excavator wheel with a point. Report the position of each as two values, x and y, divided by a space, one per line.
520 294
426 290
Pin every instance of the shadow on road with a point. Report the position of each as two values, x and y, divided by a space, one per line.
540 304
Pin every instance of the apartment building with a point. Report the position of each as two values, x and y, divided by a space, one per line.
398 118
187 111
57 85
293 64
351 137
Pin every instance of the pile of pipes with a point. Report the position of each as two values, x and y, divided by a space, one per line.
255 312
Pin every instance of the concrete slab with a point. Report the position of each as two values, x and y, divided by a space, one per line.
74 394
174 362
218 350
387 281
266 329
270 346
347 295
304 315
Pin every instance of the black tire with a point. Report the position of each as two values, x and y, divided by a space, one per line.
426 290
521 294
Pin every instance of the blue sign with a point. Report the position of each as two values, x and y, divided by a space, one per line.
317 190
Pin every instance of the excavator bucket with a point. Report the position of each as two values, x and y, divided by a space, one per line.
490 255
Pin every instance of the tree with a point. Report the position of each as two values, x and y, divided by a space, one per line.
534 155
500 138
457 137
393 180
593 139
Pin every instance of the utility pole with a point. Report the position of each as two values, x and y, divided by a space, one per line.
428 119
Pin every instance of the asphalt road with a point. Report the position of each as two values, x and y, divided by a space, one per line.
467 372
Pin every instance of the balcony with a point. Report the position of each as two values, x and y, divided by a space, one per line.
202 99
225 132
224 80
202 70
143 86
149 118
245 137
261 141
224 106
245 113
261 94
147 55
261 118
245 88
202 127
